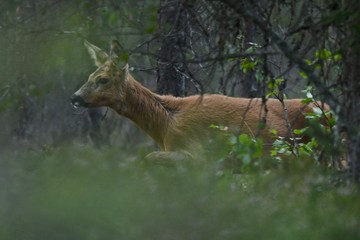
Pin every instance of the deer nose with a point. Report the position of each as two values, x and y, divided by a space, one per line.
77 101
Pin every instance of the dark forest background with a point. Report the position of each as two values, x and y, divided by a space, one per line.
77 174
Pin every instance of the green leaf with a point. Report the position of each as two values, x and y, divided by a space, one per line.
232 140
307 100
332 122
309 95
323 54
247 64
318 66
337 57
250 49
278 143
279 81
273 132
318 111
214 126
299 131
310 116
303 75
244 138
246 159
282 150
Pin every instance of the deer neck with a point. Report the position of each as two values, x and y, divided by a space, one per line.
145 109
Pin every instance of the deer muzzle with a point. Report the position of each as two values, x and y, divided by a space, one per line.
78 101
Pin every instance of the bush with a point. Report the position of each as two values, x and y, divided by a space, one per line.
80 193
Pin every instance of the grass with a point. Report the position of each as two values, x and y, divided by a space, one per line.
81 193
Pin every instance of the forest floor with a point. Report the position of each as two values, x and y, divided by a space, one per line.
77 192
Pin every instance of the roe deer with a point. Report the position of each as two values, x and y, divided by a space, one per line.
180 126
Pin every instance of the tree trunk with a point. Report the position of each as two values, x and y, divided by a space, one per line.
351 85
249 87
171 56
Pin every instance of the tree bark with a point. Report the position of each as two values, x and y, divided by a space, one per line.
171 55
351 85
249 86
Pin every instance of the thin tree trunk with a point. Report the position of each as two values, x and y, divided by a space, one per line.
351 84
249 87
171 57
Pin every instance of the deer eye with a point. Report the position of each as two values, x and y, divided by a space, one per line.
102 81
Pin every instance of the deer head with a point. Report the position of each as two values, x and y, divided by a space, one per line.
105 86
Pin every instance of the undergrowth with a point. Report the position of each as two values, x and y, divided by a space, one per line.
77 192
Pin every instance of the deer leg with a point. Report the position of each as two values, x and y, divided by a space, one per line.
168 159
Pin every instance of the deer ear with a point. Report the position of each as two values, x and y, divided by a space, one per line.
125 69
118 53
98 55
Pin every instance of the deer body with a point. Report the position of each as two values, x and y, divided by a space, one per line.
182 124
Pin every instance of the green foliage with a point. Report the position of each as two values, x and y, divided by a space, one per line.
322 146
324 60
241 153
274 87
249 63
77 192
246 150
323 54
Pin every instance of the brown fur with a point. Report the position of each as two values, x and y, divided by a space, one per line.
183 124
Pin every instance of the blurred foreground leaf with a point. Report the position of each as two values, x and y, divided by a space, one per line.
81 193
